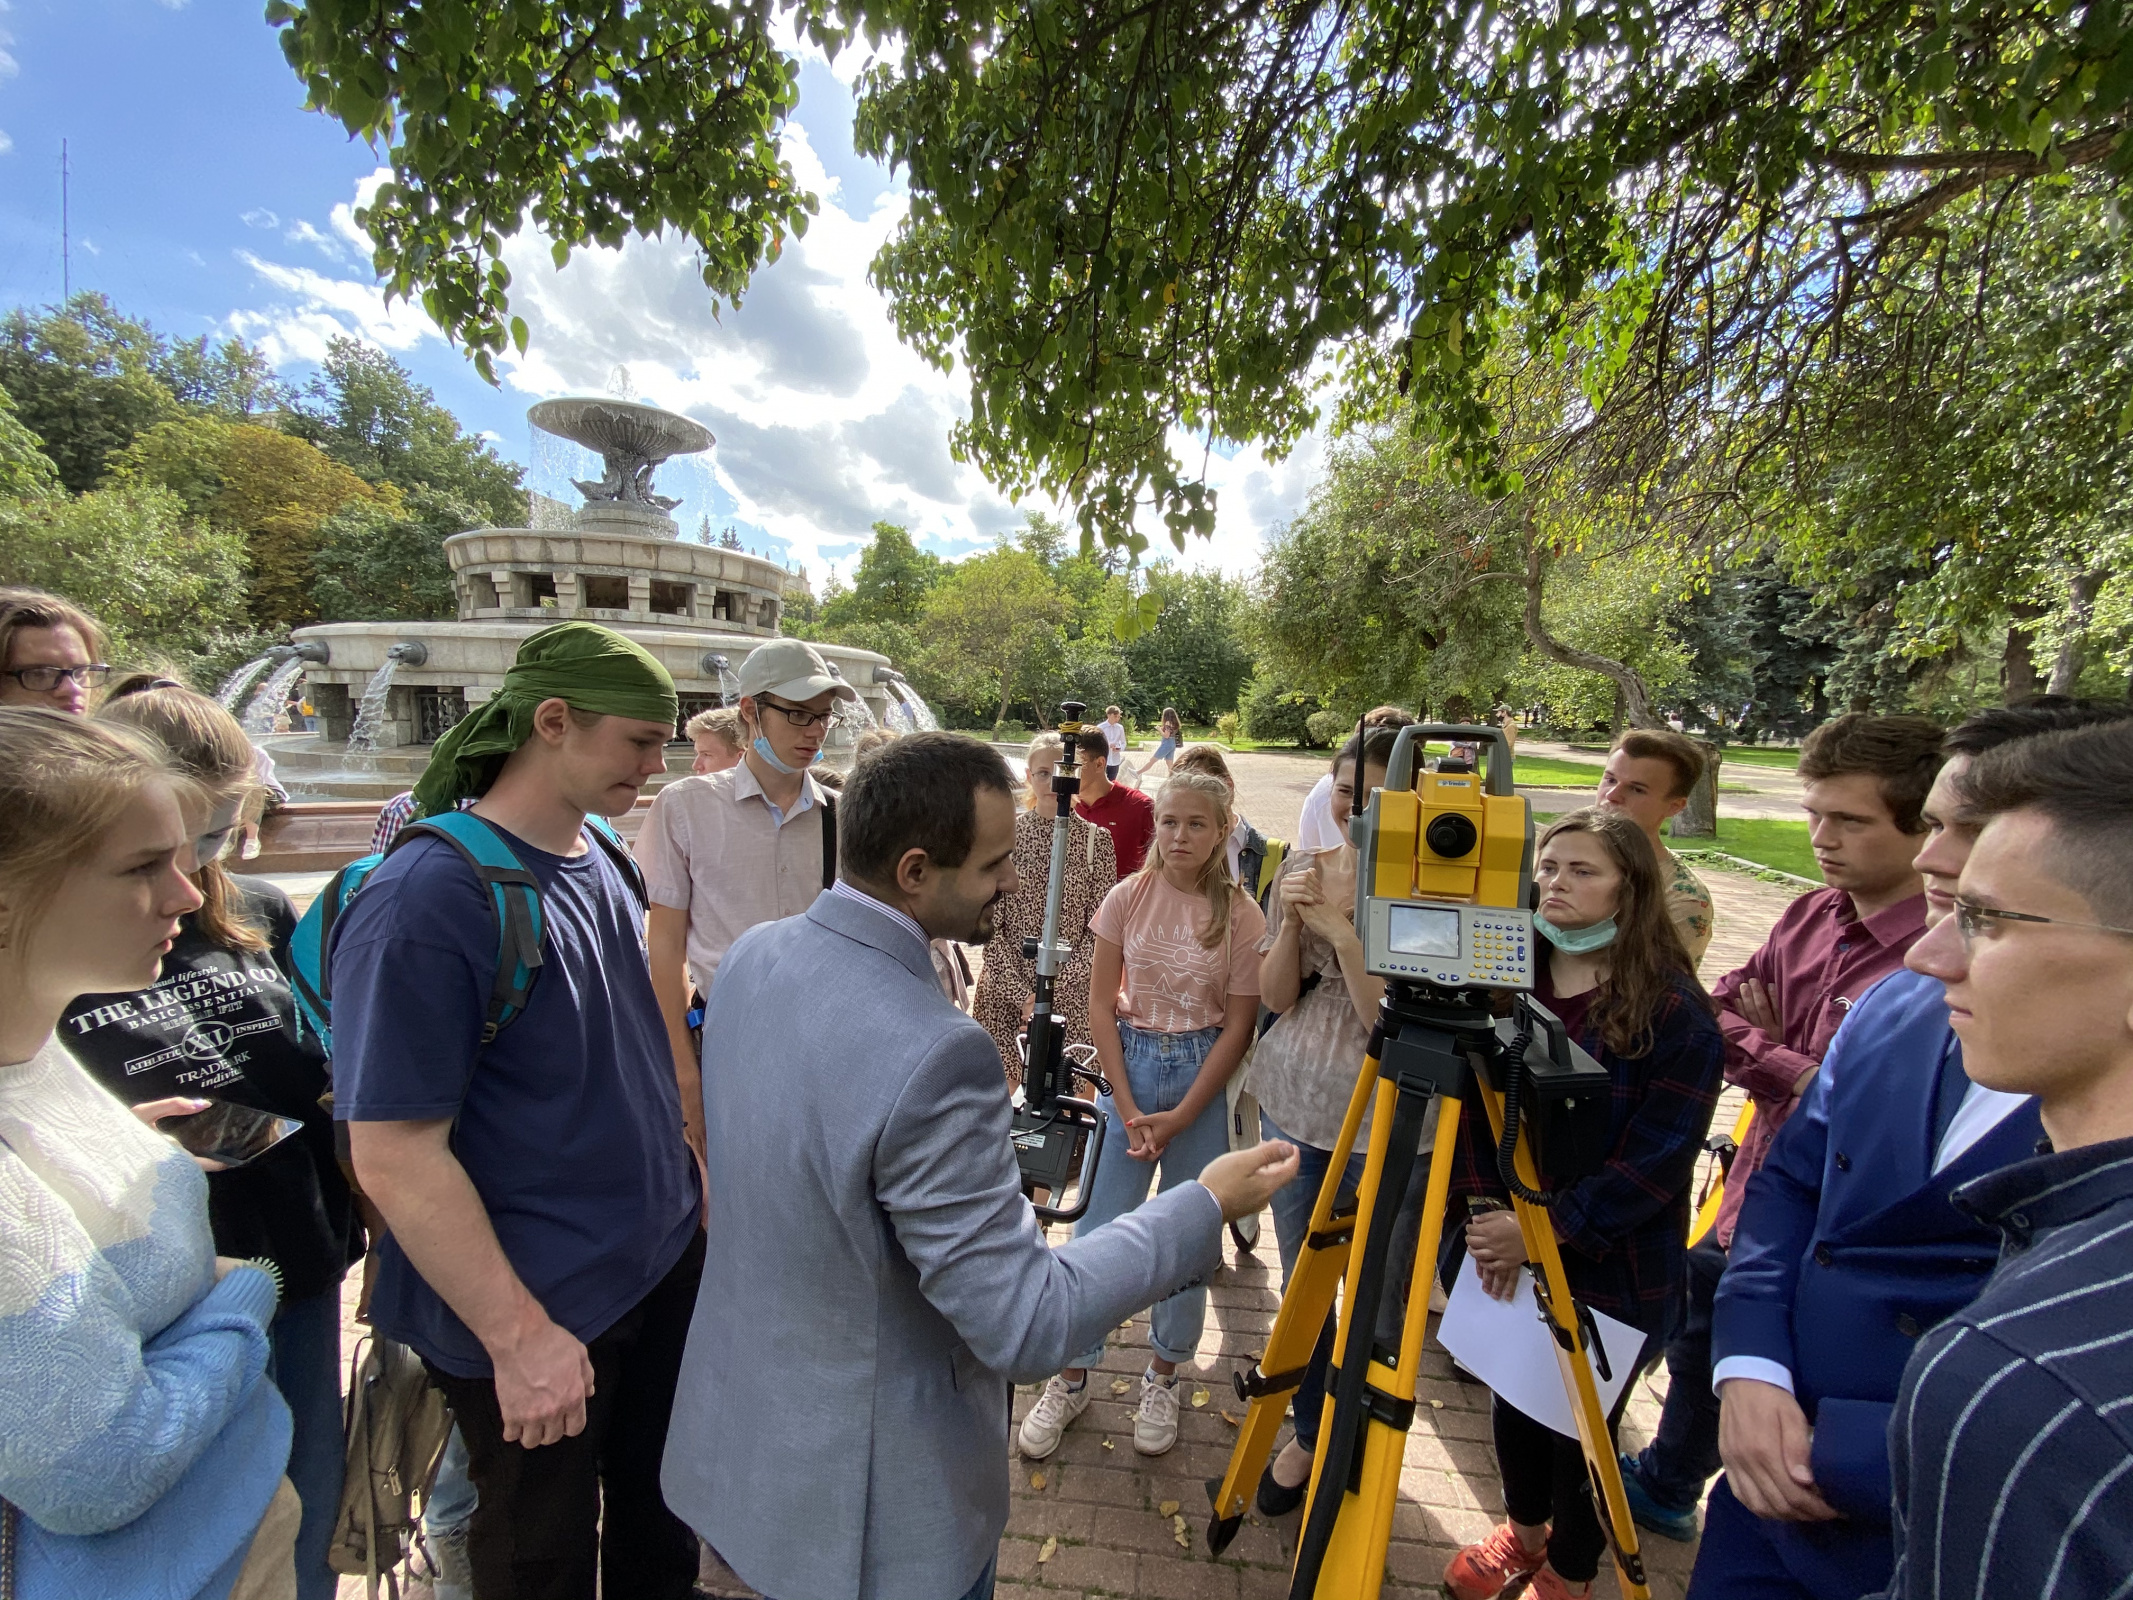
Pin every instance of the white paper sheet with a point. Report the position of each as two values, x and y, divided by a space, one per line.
1507 1346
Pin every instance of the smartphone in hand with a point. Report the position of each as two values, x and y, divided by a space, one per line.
229 1133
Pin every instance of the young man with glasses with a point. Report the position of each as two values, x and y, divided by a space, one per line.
1864 785
1847 1248
49 652
2011 1444
751 844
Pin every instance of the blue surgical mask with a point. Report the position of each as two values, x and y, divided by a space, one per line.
1576 941
762 748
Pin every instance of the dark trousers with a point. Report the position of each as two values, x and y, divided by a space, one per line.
549 1521
1738 1559
1683 1454
1545 1481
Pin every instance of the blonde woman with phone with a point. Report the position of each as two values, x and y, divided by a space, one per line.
212 1054
141 1445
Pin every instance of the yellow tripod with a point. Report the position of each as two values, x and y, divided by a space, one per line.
1428 1044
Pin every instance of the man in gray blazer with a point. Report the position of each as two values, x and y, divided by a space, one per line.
875 1280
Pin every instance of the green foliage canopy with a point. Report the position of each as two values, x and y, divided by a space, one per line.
1131 218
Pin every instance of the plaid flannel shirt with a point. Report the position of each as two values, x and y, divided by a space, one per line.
1624 1230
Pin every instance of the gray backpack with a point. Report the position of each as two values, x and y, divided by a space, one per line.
397 1424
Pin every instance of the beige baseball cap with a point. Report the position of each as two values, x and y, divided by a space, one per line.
792 669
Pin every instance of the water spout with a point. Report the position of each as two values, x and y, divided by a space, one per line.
910 707
370 711
715 665
409 653
234 686
266 706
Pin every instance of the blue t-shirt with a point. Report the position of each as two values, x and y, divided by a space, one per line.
568 1123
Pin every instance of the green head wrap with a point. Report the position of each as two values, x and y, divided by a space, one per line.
592 668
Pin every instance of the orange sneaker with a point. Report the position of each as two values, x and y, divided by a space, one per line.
1482 1571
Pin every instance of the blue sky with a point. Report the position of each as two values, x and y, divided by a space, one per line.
206 199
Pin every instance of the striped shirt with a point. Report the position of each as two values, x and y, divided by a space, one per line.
2012 1442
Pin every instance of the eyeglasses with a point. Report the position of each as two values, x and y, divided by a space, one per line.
43 680
1970 920
799 716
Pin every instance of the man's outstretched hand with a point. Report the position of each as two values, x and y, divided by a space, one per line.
1245 1180
1765 1442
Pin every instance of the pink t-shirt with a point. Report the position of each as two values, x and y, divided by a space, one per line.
1172 982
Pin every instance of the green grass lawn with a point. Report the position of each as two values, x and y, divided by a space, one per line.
1771 841
1751 755
1767 841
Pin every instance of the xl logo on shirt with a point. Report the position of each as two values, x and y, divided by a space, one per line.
207 1041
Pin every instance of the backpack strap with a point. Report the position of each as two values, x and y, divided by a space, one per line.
829 840
1270 867
618 854
311 943
514 897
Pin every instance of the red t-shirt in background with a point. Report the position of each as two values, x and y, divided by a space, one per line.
1128 816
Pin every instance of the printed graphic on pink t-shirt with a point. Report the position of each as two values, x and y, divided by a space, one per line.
1173 983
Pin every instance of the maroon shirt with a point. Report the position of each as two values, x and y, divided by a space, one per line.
1818 959
1128 816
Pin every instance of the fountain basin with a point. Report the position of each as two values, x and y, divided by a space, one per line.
465 663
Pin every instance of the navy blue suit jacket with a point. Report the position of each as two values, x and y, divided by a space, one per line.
1848 1249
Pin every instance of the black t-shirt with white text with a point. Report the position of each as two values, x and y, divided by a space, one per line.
222 1024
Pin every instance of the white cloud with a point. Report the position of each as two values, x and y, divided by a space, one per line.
6 144
259 217
89 245
319 308
825 421
302 232
9 66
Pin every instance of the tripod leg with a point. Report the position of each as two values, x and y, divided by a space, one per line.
1352 1565
1305 1304
1602 1463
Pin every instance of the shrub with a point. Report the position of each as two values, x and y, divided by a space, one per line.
1275 712
1227 727
1010 731
1328 728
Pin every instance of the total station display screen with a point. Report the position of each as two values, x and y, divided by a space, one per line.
1423 931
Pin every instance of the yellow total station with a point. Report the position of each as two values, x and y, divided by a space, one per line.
1448 839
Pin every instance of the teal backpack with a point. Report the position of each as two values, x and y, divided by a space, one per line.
514 899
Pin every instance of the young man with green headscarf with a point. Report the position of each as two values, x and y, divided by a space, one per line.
545 1245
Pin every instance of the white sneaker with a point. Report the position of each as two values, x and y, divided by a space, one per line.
1155 1419
1048 1419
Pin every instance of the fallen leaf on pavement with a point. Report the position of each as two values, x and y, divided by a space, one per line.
1200 1397
1184 1538
1107 1444
1120 1385
1049 1549
1436 1405
1036 1480
1169 1508
1233 1421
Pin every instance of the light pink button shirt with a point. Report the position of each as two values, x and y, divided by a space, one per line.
715 847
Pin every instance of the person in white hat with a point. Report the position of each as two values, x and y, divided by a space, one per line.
751 844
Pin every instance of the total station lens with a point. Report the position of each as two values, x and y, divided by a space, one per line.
1450 836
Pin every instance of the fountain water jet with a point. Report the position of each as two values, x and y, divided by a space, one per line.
266 706
234 686
910 708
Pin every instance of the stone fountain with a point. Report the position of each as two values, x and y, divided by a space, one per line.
698 608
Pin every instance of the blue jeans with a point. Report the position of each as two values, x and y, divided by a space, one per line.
1160 1068
450 1506
304 1363
1292 1205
